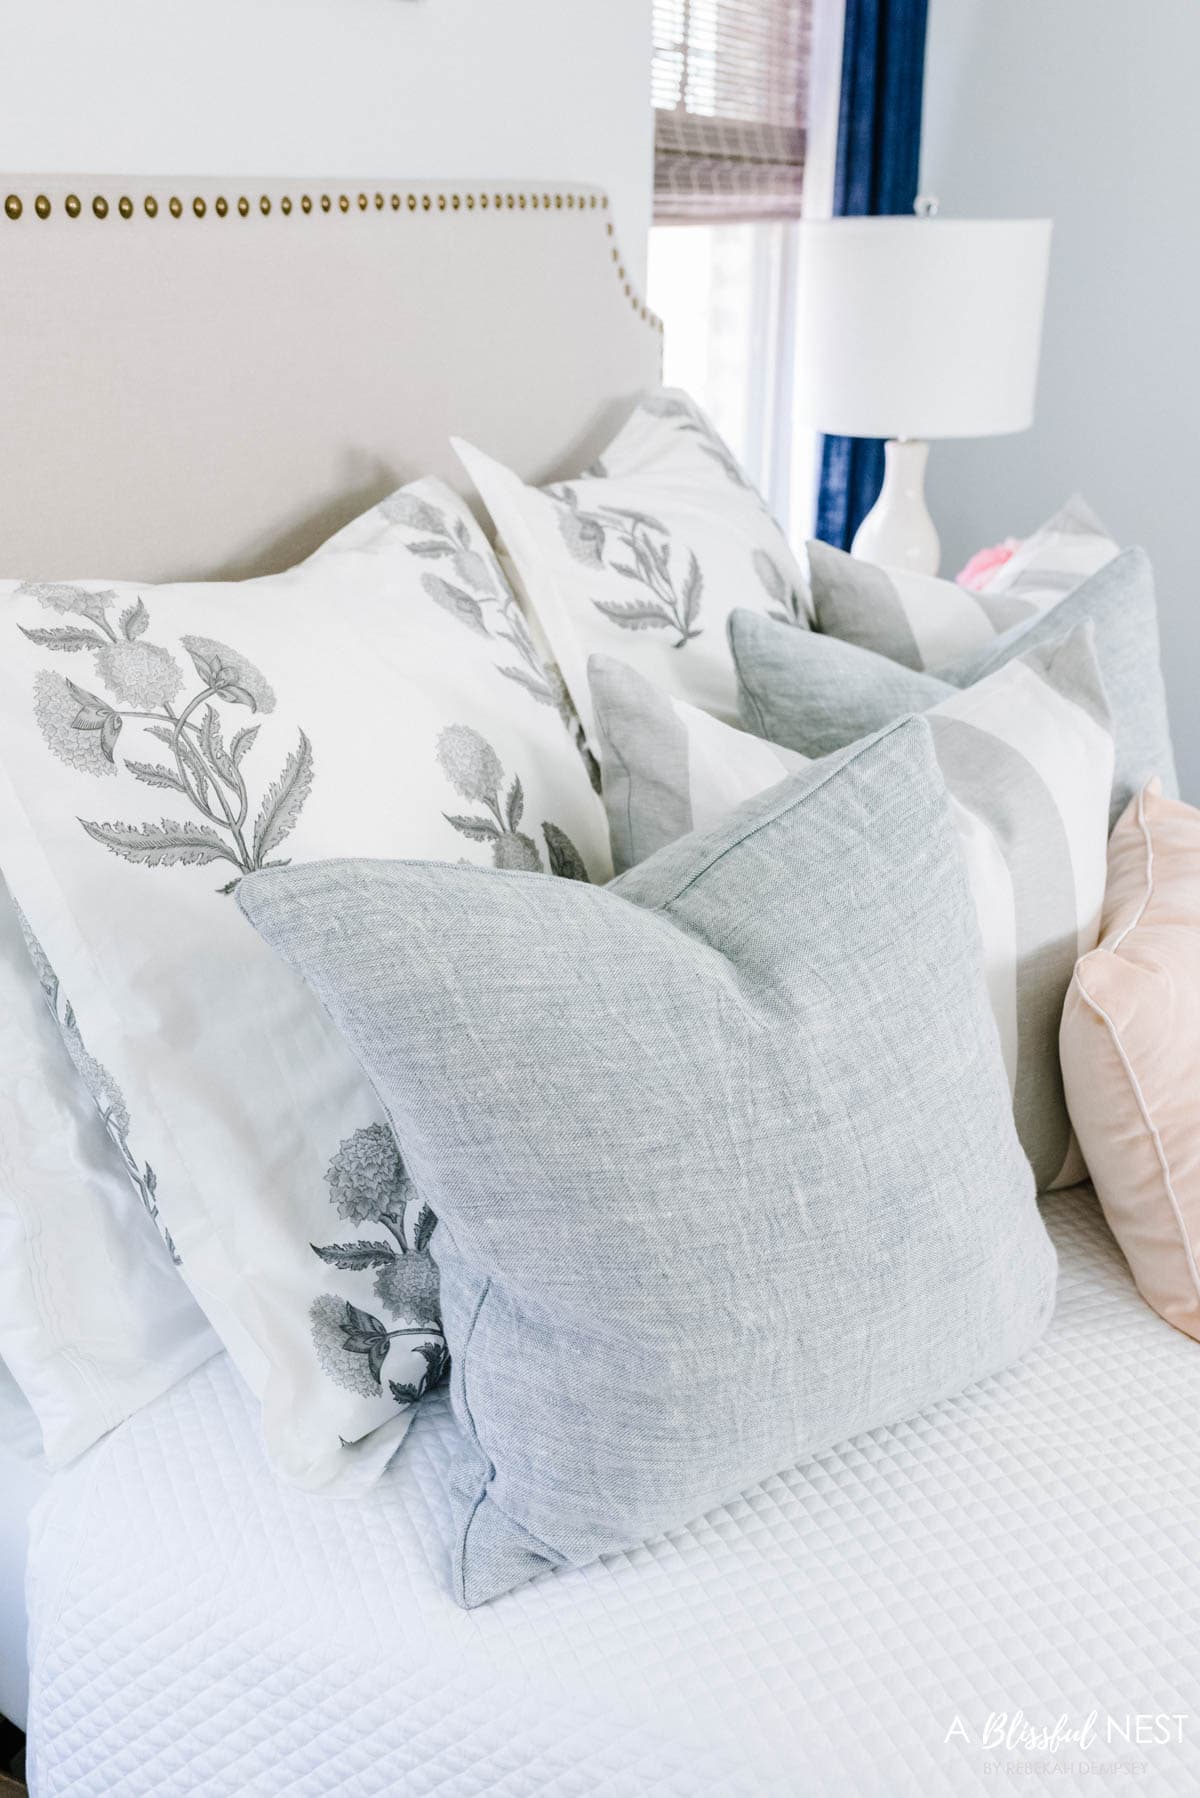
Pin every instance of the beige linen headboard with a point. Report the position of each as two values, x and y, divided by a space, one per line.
206 377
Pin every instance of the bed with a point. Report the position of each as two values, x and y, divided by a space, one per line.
199 1629
208 378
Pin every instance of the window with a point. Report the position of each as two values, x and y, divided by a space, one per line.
732 85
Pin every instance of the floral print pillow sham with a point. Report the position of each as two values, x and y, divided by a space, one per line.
646 555
157 744
94 1320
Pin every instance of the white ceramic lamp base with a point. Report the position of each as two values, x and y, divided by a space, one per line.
898 531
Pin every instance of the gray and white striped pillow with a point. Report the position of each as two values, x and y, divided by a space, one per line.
1027 757
927 623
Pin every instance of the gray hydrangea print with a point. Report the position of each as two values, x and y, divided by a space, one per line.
474 770
690 420
99 1084
789 605
482 600
143 682
369 1184
637 547
367 1180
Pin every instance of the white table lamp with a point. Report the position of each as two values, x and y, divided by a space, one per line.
913 328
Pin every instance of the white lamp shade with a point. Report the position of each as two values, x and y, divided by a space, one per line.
921 328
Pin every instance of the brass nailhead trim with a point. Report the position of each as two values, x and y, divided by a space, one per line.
14 208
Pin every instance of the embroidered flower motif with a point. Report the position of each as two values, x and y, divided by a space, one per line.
409 1287
102 1089
344 1350
789 606
58 596
229 674
414 514
213 819
57 709
471 568
641 553
469 763
368 1183
583 535
139 674
512 849
367 1178
481 599
474 769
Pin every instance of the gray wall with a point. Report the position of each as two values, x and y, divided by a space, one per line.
1086 110
518 90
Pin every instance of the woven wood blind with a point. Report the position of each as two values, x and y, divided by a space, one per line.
730 97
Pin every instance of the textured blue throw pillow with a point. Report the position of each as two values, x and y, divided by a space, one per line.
823 691
722 1153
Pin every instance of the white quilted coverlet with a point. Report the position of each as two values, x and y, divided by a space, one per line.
199 1629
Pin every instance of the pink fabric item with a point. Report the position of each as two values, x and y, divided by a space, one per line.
983 564
1130 1044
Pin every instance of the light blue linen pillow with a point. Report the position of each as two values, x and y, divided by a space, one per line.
826 690
722 1153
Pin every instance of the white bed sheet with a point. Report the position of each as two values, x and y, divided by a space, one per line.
200 1630
24 1476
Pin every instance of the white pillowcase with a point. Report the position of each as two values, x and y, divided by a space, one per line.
380 699
94 1319
646 554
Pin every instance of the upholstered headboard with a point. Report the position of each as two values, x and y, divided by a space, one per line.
203 378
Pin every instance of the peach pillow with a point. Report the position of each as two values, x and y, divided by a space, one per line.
1130 1045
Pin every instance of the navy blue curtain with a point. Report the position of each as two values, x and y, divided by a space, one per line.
878 155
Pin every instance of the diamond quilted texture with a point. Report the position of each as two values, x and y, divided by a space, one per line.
201 1631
